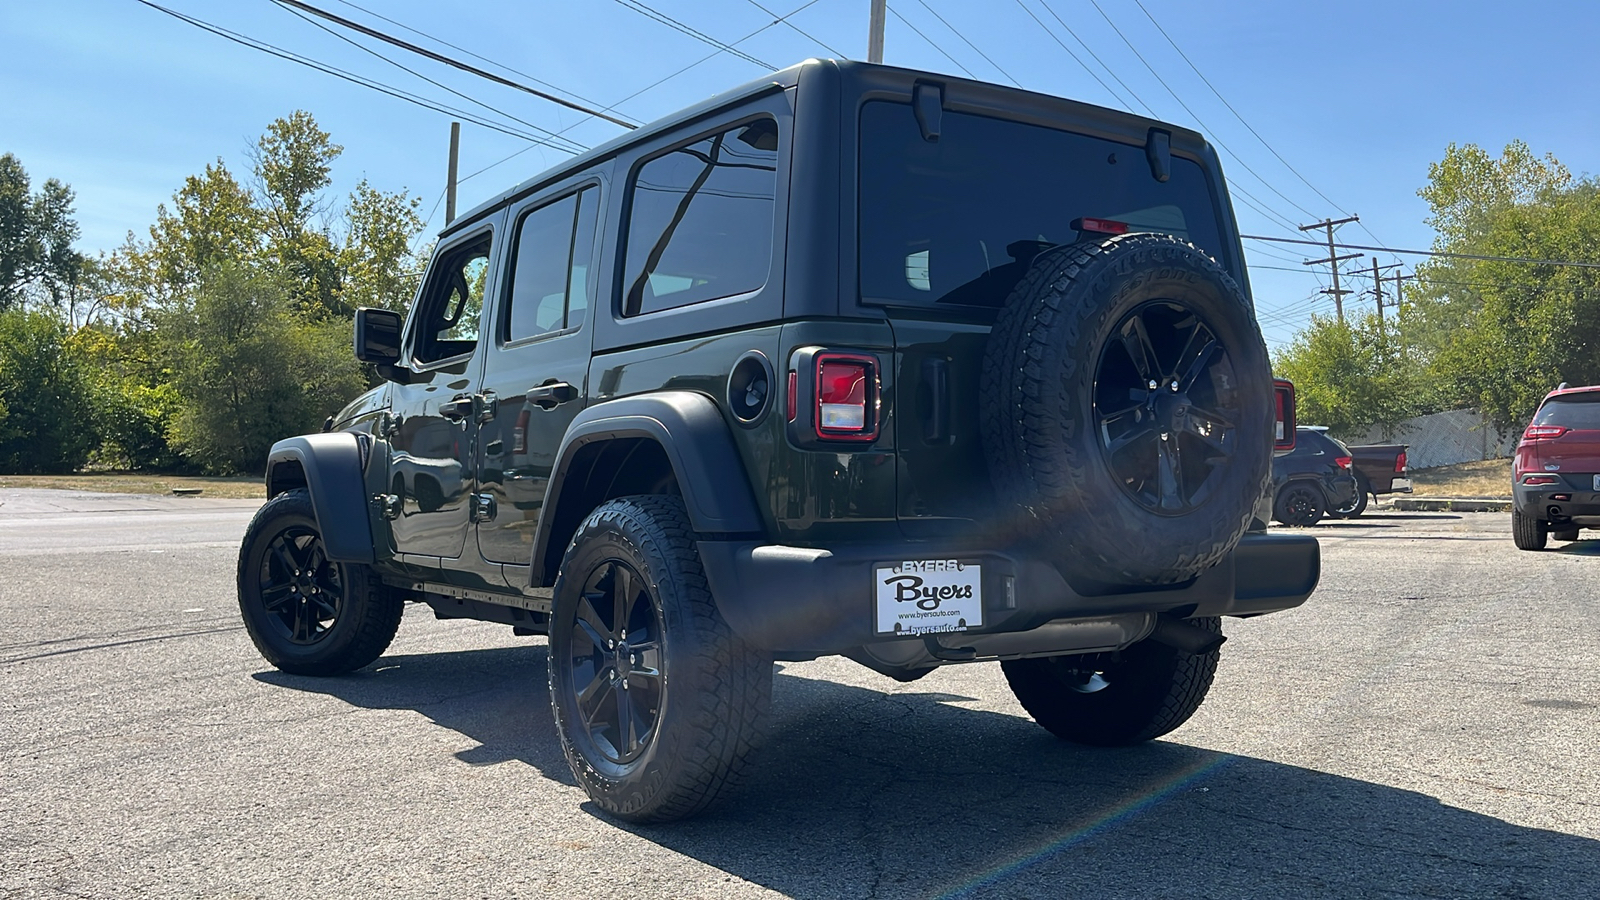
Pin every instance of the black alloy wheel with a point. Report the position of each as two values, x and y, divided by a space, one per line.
1300 504
302 592
617 663
1163 407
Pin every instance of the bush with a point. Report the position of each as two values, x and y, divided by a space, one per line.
46 394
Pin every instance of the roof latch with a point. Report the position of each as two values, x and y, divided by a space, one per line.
1158 149
927 100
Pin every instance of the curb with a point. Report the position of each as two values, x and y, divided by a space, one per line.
1452 504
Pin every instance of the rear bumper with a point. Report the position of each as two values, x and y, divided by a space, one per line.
806 600
1545 502
1399 485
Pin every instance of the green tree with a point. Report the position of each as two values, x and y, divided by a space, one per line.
376 261
1349 376
36 235
1493 334
46 392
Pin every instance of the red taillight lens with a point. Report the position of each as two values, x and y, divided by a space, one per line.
1342 462
1100 226
847 397
794 393
1543 432
1283 417
1400 462
1538 479
519 434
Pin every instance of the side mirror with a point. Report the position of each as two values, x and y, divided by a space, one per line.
377 341
1284 418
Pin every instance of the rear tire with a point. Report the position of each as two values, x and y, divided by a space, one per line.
306 614
632 608
1299 503
1149 690
1528 533
1355 507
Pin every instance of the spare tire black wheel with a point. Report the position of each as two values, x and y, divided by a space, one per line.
1131 410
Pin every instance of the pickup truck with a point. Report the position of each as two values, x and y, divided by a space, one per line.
1380 469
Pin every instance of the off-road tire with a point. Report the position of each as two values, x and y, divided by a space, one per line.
1051 473
1527 532
368 613
1565 534
1300 503
714 689
1151 689
1357 506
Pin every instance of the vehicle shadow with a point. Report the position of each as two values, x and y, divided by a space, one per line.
1588 547
861 793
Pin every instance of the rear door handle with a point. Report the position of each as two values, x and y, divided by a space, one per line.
552 395
456 410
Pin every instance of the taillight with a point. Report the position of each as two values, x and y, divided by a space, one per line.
519 434
1100 226
1342 462
1543 432
1538 479
1400 463
1283 415
847 397
794 392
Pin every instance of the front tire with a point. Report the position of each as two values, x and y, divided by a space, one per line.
306 614
1113 700
1527 532
658 704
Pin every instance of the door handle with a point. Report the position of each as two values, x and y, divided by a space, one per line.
552 395
456 410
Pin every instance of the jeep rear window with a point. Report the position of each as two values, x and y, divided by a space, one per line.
700 221
1579 411
957 220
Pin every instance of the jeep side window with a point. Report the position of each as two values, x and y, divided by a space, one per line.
550 276
448 317
701 220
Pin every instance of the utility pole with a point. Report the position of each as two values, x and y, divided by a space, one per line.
450 178
1333 260
1377 286
875 32
1398 279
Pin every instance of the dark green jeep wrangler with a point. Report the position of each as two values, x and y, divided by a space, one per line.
850 360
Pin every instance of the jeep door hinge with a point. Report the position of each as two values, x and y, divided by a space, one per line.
487 405
387 505
483 508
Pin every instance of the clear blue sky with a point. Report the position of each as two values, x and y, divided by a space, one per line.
122 102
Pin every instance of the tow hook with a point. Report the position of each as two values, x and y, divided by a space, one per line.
1180 635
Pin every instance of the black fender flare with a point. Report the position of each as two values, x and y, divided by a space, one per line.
698 444
330 467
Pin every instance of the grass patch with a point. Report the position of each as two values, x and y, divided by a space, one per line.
1485 478
113 483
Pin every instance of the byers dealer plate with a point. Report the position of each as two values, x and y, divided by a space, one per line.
927 596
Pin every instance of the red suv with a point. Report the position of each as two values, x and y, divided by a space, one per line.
1555 483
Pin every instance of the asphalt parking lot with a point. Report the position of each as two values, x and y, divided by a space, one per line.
1427 725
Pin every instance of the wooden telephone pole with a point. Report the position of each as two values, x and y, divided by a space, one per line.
875 32
1333 260
450 177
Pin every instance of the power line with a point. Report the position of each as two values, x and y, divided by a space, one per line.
1432 253
1075 58
964 40
932 43
351 77
651 13
796 28
1197 119
1085 46
460 49
454 63
1247 125
404 68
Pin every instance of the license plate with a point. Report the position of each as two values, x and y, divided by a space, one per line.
928 596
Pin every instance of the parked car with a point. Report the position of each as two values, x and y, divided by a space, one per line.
852 360
1379 469
1555 478
1313 478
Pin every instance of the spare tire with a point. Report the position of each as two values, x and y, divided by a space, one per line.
1130 434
